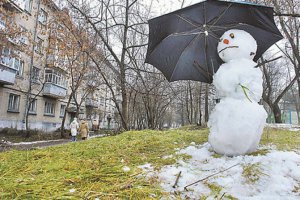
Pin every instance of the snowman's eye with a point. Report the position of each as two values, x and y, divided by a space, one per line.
231 35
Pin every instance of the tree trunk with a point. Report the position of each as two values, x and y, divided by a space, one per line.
200 106
62 127
182 113
206 103
298 102
26 120
191 102
277 113
28 94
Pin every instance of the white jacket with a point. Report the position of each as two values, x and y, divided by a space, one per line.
74 126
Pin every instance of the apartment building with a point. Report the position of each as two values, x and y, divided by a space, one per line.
31 75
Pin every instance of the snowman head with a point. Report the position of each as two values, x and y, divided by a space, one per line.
236 44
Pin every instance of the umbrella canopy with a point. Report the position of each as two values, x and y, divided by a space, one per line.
183 44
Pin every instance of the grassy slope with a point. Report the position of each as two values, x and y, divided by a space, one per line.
94 167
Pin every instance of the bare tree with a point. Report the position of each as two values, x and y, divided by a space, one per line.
117 24
70 48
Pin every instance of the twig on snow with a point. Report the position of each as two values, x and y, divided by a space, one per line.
222 195
185 188
177 179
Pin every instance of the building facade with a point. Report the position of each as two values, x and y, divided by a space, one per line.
31 77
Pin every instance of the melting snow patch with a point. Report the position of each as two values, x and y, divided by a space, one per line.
126 169
72 190
275 175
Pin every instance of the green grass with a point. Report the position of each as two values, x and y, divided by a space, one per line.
282 139
252 173
94 167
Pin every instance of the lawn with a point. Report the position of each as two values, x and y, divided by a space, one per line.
95 168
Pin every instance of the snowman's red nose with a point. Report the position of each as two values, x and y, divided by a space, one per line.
226 41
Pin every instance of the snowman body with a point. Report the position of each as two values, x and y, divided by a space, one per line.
237 122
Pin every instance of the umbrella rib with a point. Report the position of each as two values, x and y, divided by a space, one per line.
182 53
214 35
228 26
198 66
209 75
221 15
188 32
204 12
188 21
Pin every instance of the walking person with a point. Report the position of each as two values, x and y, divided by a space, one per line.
84 129
74 127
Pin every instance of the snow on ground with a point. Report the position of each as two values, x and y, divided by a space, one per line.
275 175
290 127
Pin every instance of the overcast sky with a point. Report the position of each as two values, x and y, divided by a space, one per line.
165 6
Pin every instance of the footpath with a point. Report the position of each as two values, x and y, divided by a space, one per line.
6 145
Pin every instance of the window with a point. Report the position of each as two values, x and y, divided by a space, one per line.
6 56
43 17
55 77
35 74
2 22
28 5
49 108
9 61
20 3
32 106
13 102
60 31
18 64
62 110
39 45
23 39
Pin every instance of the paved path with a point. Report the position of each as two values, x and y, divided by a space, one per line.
4 146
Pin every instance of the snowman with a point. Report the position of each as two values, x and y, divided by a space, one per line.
237 122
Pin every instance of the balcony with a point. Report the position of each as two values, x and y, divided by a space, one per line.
54 91
7 75
89 102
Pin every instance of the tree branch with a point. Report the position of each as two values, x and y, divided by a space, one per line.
286 14
267 61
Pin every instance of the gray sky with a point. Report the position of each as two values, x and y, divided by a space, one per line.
161 7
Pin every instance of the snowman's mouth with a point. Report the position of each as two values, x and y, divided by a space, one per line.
229 47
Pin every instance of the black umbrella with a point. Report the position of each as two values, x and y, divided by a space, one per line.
183 44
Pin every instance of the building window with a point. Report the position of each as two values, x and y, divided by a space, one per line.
18 65
6 56
43 17
2 22
49 108
13 102
28 5
55 77
39 45
35 74
62 110
23 39
9 61
32 106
